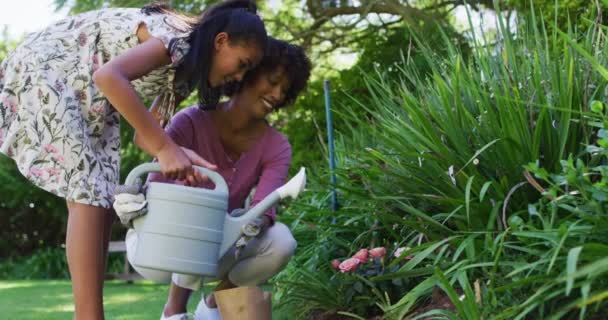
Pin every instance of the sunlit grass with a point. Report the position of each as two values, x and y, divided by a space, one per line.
52 300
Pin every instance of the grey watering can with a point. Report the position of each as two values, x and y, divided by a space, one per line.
187 229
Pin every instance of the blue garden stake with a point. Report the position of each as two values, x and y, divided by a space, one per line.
330 144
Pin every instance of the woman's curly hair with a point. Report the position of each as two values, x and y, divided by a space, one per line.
278 54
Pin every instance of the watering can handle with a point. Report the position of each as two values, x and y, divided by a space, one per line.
220 184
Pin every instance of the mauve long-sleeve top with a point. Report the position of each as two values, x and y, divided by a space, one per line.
264 166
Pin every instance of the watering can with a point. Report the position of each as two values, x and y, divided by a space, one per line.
188 229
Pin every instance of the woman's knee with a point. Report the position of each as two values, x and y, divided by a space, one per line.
283 245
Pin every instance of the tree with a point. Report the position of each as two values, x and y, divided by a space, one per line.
321 26
579 12
333 24
78 6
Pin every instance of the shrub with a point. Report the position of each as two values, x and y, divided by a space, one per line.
439 164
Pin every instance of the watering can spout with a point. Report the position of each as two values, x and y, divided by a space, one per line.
233 225
294 186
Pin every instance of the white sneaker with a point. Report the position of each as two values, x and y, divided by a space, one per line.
179 316
205 313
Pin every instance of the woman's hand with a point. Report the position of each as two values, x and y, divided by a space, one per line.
257 226
254 228
197 178
266 223
176 163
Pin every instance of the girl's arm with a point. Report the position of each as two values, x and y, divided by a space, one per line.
114 80
179 130
137 139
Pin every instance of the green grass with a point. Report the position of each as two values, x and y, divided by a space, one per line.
52 300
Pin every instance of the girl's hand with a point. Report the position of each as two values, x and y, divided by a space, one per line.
174 163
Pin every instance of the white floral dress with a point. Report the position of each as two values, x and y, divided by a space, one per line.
54 123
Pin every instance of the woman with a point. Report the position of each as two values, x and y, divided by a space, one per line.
248 153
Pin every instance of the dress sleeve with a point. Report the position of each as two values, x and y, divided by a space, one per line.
172 33
275 168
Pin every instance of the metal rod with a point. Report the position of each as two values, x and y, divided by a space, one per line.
330 145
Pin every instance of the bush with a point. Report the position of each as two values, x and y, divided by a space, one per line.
31 218
393 48
439 164
47 263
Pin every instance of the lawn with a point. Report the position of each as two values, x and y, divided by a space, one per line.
52 300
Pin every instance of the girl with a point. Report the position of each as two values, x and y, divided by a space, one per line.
248 152
63 88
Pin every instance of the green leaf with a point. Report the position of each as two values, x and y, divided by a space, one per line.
467 199
484 189
449 290
596 64
597 106
571 267
352 315
532 210
404 304
422 255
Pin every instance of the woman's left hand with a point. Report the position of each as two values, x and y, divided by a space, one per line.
251 230
256 226
197 178
266 224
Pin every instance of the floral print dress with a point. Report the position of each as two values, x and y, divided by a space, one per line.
54 123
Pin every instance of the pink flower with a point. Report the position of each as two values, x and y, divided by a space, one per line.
82 39
58 86
95 61
80 95
11 104
49 148
349 265
58 158
335 264
53 171
378 252
98 108
401 250
36 172
361 255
